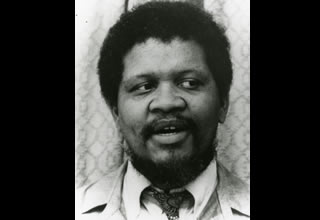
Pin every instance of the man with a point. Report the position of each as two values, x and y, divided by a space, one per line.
165 72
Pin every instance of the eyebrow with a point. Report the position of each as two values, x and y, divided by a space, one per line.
127 83
153 75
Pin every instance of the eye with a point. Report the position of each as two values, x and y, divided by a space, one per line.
143 87
190 84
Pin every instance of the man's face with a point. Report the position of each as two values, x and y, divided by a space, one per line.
168 102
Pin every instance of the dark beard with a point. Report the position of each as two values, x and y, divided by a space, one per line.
173 174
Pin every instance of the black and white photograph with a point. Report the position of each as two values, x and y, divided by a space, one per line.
162 109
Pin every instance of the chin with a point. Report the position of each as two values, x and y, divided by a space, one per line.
174 168
182 151
172 156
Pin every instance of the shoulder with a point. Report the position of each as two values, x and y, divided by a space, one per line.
233 192
232 182
98 194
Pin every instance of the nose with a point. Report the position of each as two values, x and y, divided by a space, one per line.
166 100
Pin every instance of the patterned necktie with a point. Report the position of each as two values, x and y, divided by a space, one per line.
169 202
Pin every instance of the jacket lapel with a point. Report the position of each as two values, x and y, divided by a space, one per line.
233 193
106 191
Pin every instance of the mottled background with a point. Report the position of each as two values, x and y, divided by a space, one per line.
97 149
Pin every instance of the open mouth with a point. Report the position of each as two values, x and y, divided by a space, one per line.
170 131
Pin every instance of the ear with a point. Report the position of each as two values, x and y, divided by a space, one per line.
114 112
223 110
115 115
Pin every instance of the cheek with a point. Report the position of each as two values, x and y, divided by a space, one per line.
205 105
205 111
131 115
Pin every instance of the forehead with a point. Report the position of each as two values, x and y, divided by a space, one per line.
156 57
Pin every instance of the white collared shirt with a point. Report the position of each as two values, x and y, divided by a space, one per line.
134 183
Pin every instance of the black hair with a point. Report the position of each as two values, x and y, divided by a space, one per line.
164 21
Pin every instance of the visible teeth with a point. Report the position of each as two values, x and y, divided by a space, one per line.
170 128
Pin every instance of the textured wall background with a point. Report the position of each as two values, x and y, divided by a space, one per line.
97 148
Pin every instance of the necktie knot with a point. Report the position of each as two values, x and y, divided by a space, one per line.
169 202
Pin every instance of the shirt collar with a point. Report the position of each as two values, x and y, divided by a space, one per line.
232 192
203 186
134 184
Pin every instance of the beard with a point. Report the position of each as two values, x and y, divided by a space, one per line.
174 173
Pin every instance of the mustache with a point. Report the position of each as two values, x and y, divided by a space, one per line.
184 123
